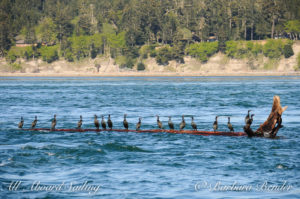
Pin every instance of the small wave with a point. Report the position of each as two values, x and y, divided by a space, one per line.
50 154
56 146
24 154
42 160
281 166
121 147
82 151
28 147
100 150
275 147
175 164
3 164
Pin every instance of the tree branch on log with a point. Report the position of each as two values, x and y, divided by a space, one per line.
272 125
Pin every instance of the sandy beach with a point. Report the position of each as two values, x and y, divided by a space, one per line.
152 74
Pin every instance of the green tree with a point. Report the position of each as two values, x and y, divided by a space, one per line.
49 53
273 10
273 48
81 46
28 52
5 26
202 50
47 31
169 27
164 55
288 51
97 43
293 28
117 43
11 56
141 66
62 18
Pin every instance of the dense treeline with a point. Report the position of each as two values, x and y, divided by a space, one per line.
75 29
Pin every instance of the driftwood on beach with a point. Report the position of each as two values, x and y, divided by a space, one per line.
272 125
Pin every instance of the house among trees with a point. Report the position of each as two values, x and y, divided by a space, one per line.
20 42
212 39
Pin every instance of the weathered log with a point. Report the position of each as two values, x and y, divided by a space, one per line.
272 125
192 132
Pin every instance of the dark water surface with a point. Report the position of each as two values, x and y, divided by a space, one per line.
162 165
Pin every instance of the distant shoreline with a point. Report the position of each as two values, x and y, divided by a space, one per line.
218 65
153 74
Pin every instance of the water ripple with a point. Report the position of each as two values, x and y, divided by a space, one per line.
136 165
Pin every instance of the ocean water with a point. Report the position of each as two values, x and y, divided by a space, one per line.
144 165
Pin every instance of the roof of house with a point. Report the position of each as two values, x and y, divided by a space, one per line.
20 41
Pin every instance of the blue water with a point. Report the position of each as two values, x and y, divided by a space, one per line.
137 165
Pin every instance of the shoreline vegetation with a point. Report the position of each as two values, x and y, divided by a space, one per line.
149 38
241 58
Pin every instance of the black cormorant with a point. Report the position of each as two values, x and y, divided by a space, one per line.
103 123
21 123
247 117
109 122
53 124
215 125
138 125
230 125
170 123
159 123
182 124
193 124
96 122
249 122
125 123
79 123
33 124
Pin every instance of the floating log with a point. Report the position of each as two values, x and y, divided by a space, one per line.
268 129
221 133
272 125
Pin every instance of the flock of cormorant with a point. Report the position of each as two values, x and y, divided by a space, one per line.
248 122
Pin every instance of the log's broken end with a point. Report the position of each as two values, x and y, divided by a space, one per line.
277 106
271 126
283 109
